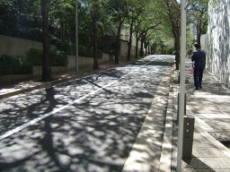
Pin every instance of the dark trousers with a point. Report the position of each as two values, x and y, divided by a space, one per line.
198 75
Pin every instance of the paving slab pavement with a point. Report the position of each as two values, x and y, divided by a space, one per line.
210 108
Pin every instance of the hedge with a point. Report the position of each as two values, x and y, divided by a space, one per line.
15 65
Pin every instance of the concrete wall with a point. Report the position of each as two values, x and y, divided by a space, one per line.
16 46
83 62
218 40
124 50
87 62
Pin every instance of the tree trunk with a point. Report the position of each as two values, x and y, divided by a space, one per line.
154 47
199 30
177 49
142 47
198 36
137 48
46 65
129 48
130 41
176 34
118 44
95 54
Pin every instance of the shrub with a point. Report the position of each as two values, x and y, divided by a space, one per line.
25 66
14 65
85 51
35 56
58 58
6 64
62 45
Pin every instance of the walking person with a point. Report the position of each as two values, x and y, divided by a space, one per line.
198 59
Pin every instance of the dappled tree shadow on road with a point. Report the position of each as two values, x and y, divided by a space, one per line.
91 134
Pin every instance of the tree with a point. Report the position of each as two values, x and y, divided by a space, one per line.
119 12
170 12
198 17
146 20
20 19
95 15
92 25
162 42
135 11
46 65
62 24
95 18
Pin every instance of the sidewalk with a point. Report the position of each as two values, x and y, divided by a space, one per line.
210 108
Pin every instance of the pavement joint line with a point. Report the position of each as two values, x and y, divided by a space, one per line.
34 121
210 96
201 122
214 115
202 130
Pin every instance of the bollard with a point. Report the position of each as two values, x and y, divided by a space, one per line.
185 99
188 138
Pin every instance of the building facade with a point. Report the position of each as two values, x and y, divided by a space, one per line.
217 41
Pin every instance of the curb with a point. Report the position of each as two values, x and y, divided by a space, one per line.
154 160
167 147
41 86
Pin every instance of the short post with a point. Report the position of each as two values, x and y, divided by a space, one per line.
188 138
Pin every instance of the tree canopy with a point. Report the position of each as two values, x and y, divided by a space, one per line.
198 17
155 24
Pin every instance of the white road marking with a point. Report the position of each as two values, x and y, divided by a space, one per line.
34 121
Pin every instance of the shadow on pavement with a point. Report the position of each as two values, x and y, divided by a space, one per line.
92 134
197 165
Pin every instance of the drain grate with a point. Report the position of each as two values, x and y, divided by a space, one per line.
223 138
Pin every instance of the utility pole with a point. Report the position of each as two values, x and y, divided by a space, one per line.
182 85
77 56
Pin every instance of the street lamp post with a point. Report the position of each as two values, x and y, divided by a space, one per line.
182 84
77 57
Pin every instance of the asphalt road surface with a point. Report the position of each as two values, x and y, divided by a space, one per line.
86 125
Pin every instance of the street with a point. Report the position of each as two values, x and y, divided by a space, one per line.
86 125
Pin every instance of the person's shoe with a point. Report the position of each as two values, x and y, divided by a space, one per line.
196 88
